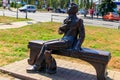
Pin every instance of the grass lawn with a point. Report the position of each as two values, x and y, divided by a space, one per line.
5 19
13 42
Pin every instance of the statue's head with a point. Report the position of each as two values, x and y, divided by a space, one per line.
73 9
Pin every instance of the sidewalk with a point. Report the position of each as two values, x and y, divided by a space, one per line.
16 24
66 71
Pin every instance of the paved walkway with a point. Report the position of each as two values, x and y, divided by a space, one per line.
16 24
66 71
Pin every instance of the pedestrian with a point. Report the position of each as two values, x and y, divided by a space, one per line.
85 12
97 14
4 4
91 12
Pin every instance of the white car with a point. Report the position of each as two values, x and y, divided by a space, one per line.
82 11
29 8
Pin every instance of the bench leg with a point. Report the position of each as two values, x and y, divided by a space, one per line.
100 70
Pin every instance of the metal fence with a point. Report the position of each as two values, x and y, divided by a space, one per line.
57 18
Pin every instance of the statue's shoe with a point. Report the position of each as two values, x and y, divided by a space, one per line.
35 68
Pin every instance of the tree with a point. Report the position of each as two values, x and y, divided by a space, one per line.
86 4
57 3
40 4
107 6
64 3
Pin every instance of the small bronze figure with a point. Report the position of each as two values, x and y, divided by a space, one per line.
74 34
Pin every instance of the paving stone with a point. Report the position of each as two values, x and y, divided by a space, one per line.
66 71
117 76
2 78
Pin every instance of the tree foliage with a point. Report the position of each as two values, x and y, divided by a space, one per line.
58 3
86 4
107 6
61 3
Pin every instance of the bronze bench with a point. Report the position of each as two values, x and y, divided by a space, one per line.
97 58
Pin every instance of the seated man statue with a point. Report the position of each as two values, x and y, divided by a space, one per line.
74 34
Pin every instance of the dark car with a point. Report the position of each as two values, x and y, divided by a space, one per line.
29 8
60 10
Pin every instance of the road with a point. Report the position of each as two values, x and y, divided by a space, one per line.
46 17
43 17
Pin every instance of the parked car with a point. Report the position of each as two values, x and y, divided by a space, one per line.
49 8
83 11
60 10
29 8
111 16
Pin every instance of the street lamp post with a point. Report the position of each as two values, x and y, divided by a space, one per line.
119 25
17 10
26 11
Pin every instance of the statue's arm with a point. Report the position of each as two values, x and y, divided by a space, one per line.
81 35
61 29
64 27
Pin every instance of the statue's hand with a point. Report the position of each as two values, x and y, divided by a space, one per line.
60 32
62 29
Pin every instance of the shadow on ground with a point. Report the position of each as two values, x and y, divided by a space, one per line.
70 74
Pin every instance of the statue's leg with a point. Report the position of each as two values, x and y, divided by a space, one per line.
34 52
50 61
58 44
40 64
52 45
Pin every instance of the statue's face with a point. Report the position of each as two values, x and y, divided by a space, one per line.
73 9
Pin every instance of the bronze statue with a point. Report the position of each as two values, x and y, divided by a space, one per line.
74 34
